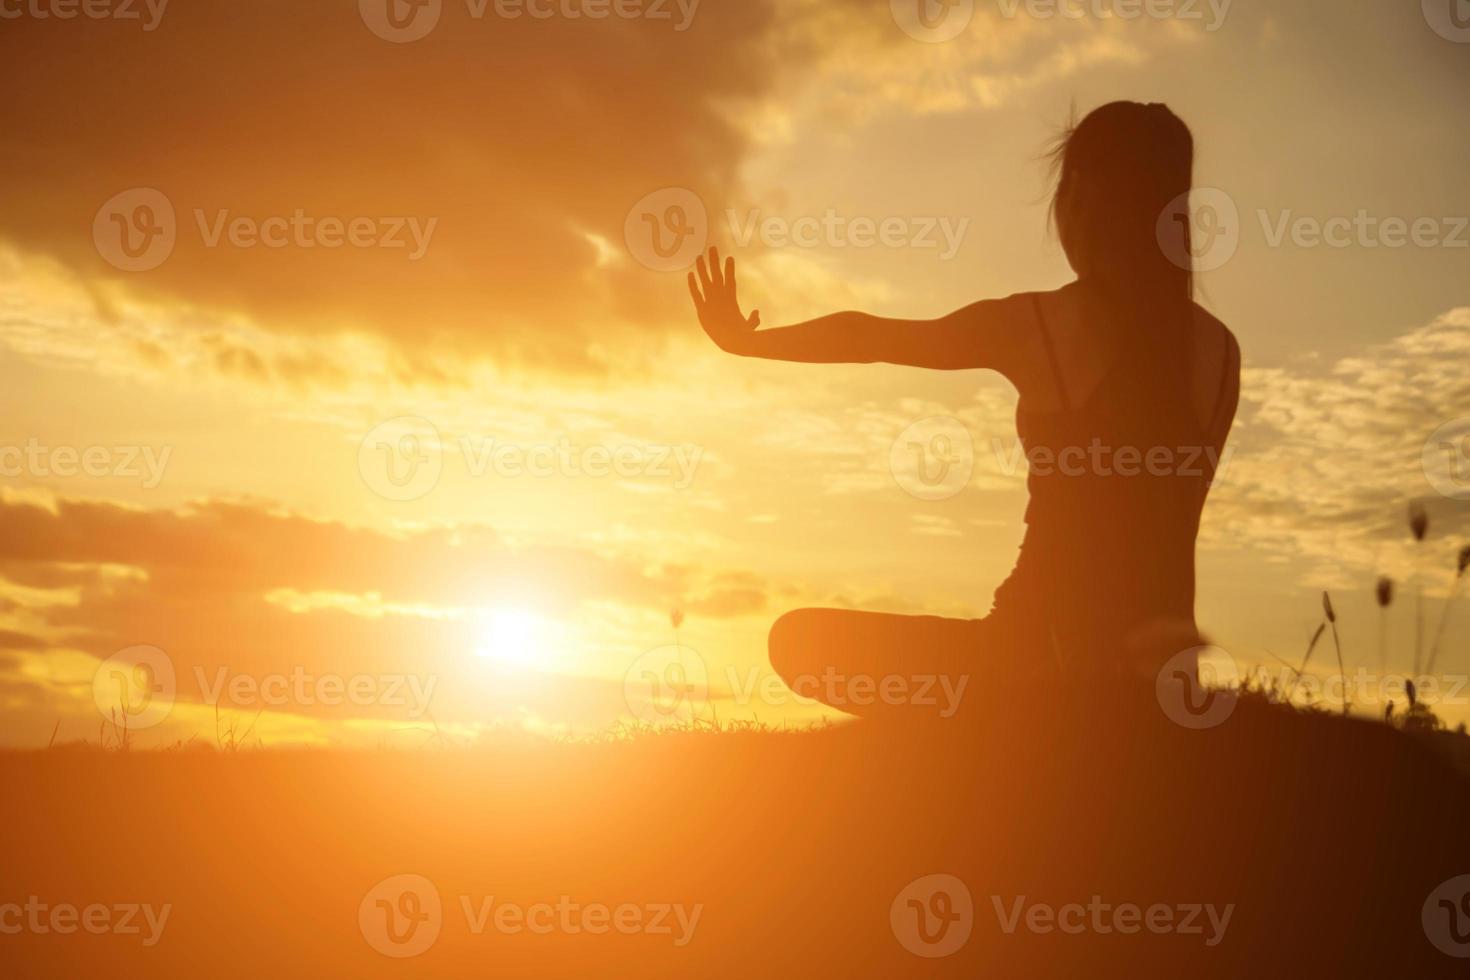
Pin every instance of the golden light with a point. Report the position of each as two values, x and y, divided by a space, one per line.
515 637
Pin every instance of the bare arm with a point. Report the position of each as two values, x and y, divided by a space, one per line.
977 336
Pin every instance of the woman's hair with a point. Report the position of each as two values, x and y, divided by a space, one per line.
1118 172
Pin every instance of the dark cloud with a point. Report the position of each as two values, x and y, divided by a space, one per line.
12 640
519 136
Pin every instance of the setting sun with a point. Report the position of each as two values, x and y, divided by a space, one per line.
515 637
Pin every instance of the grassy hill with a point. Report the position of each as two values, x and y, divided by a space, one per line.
770 854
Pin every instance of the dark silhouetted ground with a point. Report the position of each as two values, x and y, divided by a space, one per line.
1326 837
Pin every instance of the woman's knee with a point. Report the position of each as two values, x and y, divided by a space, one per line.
792 640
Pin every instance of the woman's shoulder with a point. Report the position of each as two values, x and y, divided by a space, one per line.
1216 371
1214 336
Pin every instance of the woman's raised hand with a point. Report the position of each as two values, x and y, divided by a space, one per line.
714 301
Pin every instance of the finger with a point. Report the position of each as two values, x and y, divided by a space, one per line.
714 267
703 275
730 273
694 291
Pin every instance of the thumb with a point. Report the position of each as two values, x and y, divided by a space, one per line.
755 318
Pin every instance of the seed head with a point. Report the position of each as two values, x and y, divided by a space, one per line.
1418 521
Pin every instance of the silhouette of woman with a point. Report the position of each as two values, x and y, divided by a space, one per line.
1128 390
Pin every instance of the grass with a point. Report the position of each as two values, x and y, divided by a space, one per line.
1418 717
795 842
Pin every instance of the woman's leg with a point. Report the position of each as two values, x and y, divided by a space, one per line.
871 664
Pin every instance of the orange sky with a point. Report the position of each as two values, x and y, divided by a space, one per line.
592 461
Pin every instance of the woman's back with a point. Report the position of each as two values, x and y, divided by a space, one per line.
1124 425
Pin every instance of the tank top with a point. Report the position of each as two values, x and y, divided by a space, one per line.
1117 485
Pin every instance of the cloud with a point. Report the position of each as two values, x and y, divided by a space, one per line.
517 136
1327 459
241 551
235 588
509 152
847 63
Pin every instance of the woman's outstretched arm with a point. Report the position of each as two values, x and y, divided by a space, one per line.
973 337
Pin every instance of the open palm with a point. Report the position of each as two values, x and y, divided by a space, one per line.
715 302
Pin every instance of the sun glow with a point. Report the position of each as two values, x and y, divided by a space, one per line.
515 637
